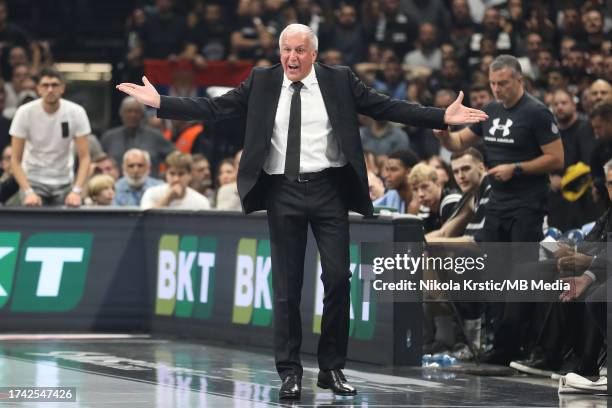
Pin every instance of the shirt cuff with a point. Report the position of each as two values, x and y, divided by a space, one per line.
590 275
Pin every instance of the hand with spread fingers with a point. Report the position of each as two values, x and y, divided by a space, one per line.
458 114
146 93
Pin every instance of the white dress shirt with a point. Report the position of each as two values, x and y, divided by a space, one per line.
319 147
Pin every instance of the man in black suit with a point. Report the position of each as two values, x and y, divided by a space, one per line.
303 163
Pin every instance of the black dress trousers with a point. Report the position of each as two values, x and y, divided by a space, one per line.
321 202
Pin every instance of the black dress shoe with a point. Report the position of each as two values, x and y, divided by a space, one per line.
335 380
291 387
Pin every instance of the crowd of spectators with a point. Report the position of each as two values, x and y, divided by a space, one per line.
423 51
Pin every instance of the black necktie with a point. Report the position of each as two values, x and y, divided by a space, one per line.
292 157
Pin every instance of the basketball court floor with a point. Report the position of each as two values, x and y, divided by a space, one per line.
140 371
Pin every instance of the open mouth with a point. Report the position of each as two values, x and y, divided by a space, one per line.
293 68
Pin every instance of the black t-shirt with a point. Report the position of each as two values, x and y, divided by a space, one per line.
578 142
515 135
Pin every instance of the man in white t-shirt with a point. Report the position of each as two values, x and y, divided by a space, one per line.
43 132
175 193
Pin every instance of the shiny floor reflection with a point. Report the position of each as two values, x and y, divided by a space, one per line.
141 372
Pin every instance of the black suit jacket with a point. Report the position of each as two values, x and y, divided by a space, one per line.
344 96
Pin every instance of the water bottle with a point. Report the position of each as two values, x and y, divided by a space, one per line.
444 360
427 360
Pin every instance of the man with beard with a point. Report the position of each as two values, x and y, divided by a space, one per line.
201 178
347 36
576 133
480 96
133 133
427 53
136 180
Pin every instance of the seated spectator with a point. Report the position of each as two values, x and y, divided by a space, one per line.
427 53
136 178
399 195
11 34
480 96
14 89
6 162
5 124
393 82
226 173
382 137
600 90
253 34
491 28
436 203
104 164
228 198
186 136
100 190
210 36
333 57
201 176
175 193
468 217
375 186
133 133
7 181
163 34
394 29
347 36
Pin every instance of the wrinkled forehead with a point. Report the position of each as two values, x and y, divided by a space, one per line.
295 39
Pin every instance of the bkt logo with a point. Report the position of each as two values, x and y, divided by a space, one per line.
497 126
362 314
49 273
185 276
253 283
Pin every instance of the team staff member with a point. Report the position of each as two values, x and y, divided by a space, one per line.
523 145
303 162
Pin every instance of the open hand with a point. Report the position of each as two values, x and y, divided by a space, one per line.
458 114
146 94
578 285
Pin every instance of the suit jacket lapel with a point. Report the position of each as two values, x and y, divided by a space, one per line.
270 101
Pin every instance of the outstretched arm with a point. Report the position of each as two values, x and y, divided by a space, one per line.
231 105
378 106
146 93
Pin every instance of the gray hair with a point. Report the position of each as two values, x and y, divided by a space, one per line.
141 152
507 61
300 28
128 100
608 166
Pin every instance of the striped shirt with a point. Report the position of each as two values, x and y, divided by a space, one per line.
433 221
476 224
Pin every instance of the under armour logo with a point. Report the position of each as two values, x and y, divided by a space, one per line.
497 126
